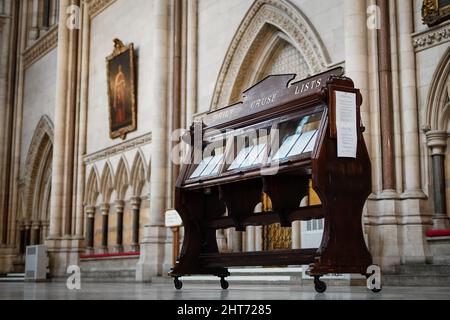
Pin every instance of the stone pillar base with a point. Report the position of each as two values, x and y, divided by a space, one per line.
154 248
414 221
103 250
63 253
135 248
382 231
7 258
440 222
118 249
397 230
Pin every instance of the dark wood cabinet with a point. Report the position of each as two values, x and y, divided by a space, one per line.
282 136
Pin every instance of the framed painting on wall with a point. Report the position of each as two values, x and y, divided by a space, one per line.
435 11
121 90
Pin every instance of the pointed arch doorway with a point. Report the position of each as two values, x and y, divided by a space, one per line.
34 220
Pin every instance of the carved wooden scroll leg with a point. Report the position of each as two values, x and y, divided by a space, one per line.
241 199
196 209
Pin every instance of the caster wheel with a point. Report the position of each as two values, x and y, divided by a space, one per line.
224 284
178 284
319 285
377 290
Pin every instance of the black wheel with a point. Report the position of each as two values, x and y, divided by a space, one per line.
319 285
224 284
377 290
178 284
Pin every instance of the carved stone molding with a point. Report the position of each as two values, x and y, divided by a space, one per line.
39 153
118 149
41 47
431 37
438 100
285 17
95 7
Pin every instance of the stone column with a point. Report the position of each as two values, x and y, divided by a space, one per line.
410 134
53 12
5 35
44 233
192 35
250 239
35 233
154 243
34 26
386 99
296 235
27 234
356 55
437 142
84 97
221 240
62 77
120 206
136 207
17 105
105 227
415 217
90 222
236 241
259 238
22 244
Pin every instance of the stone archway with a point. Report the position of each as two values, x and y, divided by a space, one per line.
266 22
438 136
35 218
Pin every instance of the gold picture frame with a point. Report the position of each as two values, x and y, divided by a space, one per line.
435 11
121 71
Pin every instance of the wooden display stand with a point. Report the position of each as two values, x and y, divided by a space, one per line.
296 141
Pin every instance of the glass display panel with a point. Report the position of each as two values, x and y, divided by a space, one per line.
250 149
298 136
243 154
312 143
302 143
210 165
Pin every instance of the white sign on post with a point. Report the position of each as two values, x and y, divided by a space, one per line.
173 219
347 137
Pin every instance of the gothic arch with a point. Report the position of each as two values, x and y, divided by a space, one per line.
438 108
122 181
38 172
266 20
92 189
138 174
107 183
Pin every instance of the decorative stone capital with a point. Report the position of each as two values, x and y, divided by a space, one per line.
136 203
45 224
90 212
36 225
120 205
437 142
104 208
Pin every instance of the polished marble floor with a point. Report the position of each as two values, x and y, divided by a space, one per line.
120 291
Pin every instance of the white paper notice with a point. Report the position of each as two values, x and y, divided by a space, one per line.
347 138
